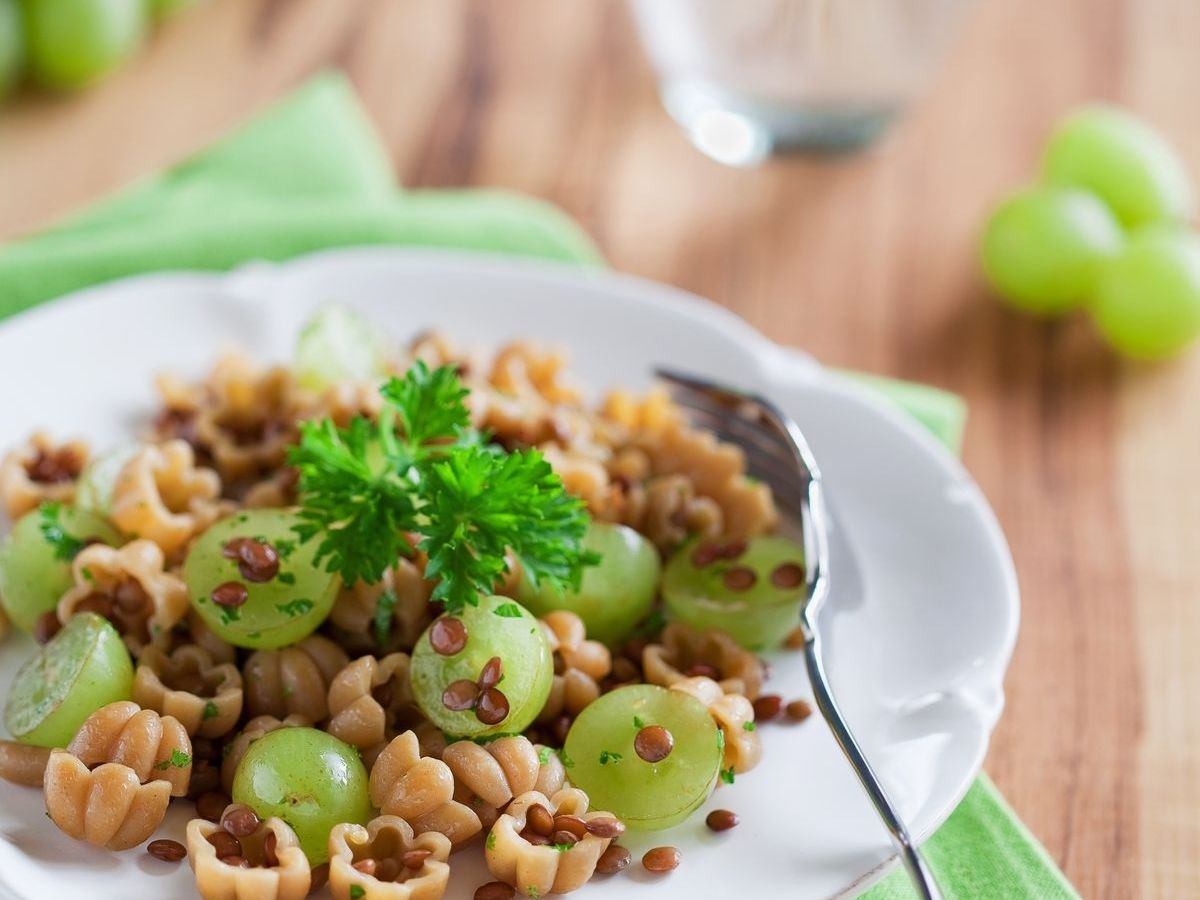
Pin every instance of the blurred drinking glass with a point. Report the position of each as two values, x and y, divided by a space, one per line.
746 78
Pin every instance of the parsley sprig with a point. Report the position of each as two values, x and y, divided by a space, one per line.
421 469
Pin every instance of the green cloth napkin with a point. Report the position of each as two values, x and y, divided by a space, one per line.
311 174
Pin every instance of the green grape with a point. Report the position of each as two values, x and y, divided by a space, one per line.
337 344
94 489
615 595
1043 247
74 42
750 590
498 628
82 668
1148 299
309 779
1123 161
604 763
12 46
161 9
35 571
279 610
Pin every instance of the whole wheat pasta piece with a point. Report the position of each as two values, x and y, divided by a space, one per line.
251 732
294 680
161 494
275 491
649 413
671 512
552 774
370 702
355 609
23 763
585 477
537 870
275 866
680 647
385 841
206 697
129 587
111 786
582 665
522 368
420 790
732 712
488 776
39 471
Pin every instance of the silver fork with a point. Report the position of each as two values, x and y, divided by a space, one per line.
777 452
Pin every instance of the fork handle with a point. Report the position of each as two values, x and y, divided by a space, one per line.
918 870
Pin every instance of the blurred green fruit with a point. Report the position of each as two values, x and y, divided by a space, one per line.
12 46
161 9
73 42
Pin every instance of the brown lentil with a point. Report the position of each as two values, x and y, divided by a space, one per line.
238 862
653 743
167 850
787 575
733 549
703 669
320 875
767 707
705 555
96 603
573 824
130 596
389 870
492 707
662 859
460 695
56 467
564 839
257 561
366 866
210 806
613 860
225 844
448 636
494 890
493 671
798 710
46 626
539 819
739 578
721 820
623 670
270 858
605 827
537 840
414 859
634 648
240 821
230 594
559 728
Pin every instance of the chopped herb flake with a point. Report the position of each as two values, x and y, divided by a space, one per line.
210 711
566 760
286 578
639 722
178 759
295 608
748 726
229 614
544 756
491 840
727 775
66 546
357 891
382 620
610 756
507 611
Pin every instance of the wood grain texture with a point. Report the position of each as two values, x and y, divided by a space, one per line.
867 261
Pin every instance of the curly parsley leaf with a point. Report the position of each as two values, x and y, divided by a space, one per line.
381 622
428 404
66 546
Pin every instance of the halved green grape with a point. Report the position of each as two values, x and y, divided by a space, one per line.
74 42
309 779
12 46
1044 246
615 595
82 668
603 761
751 590
337 344
1148 300
486 670
1124 161
255 584
93 491
35 558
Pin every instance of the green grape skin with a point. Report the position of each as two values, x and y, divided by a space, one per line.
1147 301
1123 161
93 491
161 9
615 595
12 46
276 613
307 778
82 668
758 617
337 344
497 627
648 796
71 43
33 576
1043 248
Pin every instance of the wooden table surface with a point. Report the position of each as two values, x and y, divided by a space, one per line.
867 261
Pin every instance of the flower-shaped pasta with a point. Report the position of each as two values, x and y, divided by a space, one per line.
671 512
580 665
251 732
681 651
420 790
488 776
355 610
267 864
38 471
140 761
583 476
204 696
735 716
370 702
162 495
386 861
129 587
294 680
23 763
275 491
519 855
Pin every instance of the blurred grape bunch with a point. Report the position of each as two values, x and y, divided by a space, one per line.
68 44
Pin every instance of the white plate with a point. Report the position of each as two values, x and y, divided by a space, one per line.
924 606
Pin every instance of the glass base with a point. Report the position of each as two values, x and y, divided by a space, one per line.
742 131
